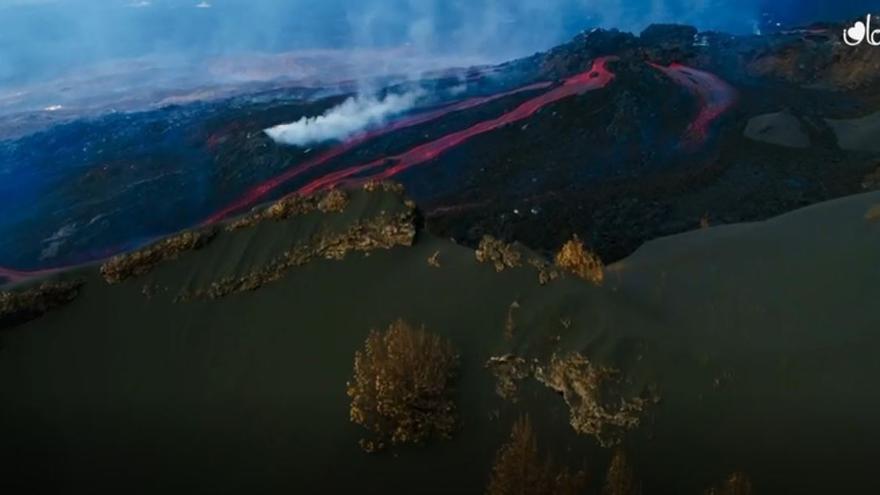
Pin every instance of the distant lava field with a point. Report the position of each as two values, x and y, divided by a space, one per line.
614 137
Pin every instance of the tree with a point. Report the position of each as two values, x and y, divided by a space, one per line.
620 479
519 469
402 388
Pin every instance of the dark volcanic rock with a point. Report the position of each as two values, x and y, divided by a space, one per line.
669 35
577 55
817 57
665 43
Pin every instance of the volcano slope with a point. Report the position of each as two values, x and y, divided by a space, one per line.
614 137
221 366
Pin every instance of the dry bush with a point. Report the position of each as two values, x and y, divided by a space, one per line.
735 484
384 185
509 371
547 272
434 260
500 254
593 394
402 389
620 479
519 468
574 257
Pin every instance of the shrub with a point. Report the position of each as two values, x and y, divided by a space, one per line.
402 388
501 255
578 260
594 396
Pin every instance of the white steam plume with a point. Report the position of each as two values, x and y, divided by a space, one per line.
351 117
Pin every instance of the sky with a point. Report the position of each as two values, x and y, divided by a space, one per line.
44 38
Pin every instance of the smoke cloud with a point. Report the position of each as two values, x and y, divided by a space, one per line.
351 117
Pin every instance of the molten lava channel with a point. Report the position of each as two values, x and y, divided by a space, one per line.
715 96
597 77
259 192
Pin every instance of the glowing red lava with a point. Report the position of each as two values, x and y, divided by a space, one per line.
597 77
257 193
714 94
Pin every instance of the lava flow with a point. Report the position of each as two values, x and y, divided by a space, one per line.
714 94
257 193
597 77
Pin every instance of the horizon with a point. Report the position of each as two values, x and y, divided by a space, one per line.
43 39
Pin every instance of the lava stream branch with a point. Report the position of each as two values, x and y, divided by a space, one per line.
714 94
597 77
259 192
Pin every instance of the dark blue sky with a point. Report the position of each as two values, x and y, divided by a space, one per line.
39 38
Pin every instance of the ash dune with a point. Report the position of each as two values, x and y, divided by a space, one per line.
722 323
781 129
858 134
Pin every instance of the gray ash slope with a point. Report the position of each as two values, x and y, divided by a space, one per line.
756 337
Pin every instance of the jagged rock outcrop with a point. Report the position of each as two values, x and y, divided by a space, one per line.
332 201
20 306
136 263
384 231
